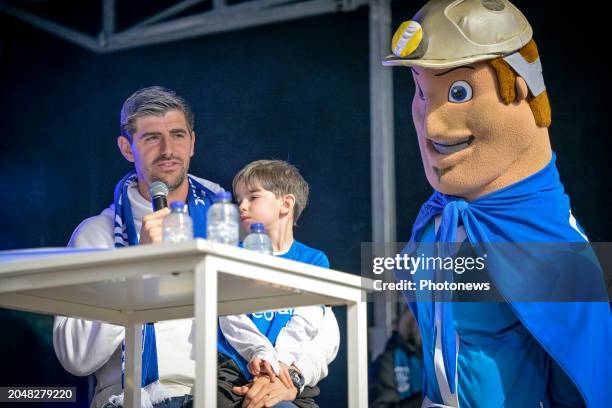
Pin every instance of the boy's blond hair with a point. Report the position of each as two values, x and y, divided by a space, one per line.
276 176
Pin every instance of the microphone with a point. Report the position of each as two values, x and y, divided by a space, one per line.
158 191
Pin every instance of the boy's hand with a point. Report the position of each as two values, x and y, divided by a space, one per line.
284 375
258 366
151 230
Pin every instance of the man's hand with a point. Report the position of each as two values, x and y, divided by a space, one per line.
151 230
261 392
258 366
284 375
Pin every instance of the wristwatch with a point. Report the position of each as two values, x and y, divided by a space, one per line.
297 378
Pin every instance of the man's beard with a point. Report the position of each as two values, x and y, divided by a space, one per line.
172 181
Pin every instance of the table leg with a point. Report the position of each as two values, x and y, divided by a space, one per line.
205 311
357 342
133 365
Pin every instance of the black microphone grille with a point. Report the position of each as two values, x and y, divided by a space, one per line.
158 188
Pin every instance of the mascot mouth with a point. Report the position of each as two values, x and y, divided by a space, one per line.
450 148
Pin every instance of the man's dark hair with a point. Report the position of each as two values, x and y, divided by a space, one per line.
151 101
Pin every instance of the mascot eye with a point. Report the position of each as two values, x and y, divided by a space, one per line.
460 91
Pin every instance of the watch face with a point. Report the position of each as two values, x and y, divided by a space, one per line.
296 378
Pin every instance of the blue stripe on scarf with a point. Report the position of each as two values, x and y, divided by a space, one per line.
577 335
199 199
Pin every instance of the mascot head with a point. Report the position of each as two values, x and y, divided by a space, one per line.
480 107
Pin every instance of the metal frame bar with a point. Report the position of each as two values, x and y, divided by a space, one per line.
211 22
169 12
382 162
109 17
381 125
109 21
66 33
150 31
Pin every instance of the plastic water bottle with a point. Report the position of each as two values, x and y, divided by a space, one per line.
222 220
178 226
258 240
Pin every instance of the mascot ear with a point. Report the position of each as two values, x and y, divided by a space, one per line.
521 89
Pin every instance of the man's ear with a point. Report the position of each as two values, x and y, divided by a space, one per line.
287 204
193 138
125 147
521 89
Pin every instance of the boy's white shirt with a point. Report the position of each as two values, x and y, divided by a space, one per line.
303 326
244 336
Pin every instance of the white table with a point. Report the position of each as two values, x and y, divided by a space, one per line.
131 286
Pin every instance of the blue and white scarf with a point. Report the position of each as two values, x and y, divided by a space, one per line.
199 199
577 335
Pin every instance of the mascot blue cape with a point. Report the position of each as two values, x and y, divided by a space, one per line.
577 335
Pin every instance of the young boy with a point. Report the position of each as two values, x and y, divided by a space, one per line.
271 192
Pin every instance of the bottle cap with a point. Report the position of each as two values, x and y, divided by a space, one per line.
223 196
177 205
257 227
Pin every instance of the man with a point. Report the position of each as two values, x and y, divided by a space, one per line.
398 370
157 135
481 114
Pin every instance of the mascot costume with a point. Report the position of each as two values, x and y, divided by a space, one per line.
481 114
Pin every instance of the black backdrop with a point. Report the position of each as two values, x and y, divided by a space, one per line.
296 91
